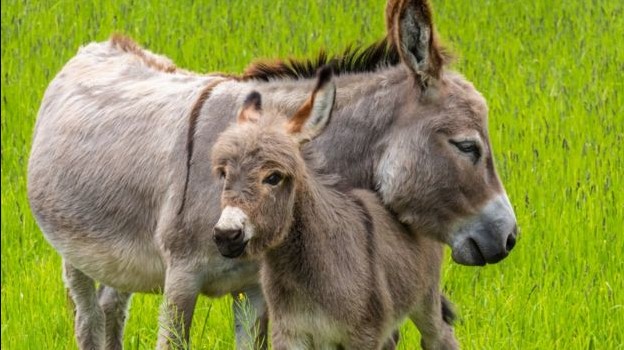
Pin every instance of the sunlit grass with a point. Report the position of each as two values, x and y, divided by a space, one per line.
552 73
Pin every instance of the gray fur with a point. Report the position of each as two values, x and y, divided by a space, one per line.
90 319
114 304
108 170
338 270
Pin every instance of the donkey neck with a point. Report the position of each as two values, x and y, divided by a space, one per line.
362 116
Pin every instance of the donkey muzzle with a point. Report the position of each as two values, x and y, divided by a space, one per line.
488 237
230 242
232 232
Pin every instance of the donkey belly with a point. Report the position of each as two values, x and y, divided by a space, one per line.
128 264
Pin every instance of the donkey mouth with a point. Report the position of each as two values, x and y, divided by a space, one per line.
468 254
232 251
487 237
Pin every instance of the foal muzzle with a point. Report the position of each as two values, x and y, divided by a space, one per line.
232 232
230 243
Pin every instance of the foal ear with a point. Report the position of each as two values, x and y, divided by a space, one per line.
313 115
251 108
410 28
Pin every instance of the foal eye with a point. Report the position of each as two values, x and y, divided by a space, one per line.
468 147
274 179
221 174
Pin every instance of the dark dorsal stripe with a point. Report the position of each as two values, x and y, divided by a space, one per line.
354 59
190 138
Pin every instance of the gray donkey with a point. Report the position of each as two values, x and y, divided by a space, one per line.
338 270
119 176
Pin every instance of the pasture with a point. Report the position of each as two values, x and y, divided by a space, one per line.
553 77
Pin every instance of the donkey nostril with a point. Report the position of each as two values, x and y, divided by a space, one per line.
511 241
218 237
226 236
238 235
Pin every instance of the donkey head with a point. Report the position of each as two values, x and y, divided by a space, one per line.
436 171
260 165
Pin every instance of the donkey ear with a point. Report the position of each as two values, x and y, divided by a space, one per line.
410 29
313 115
251 108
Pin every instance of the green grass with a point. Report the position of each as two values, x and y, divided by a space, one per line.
552 72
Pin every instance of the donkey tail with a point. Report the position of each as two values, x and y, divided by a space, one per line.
448 310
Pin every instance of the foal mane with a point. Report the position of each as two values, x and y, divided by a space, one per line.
355 59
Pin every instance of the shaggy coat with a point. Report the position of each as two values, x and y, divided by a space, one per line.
338 270
119 176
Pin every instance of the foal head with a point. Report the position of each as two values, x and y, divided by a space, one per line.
261 167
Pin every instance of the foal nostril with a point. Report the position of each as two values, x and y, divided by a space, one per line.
225 236
237 236
511 241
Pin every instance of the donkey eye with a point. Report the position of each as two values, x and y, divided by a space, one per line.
468 147
221 173
274 179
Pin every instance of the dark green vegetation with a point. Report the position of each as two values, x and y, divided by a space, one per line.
552 72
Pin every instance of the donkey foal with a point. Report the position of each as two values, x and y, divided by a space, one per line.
337 269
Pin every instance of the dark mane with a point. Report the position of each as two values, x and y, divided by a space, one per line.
352 60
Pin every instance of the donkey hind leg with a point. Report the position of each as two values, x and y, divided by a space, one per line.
89 319
115 305
433 320
251 319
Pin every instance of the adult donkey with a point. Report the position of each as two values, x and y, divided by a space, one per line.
119 174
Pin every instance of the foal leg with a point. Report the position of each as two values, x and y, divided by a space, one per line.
284 339
251 319
433 321
89 319
393 341
115 305
365 338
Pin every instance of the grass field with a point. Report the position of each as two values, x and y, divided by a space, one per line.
553 73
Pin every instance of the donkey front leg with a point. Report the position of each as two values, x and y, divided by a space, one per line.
115 306
250 319
180 297
89 317
433 319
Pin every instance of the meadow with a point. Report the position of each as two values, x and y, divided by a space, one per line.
553 75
